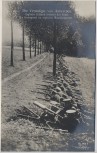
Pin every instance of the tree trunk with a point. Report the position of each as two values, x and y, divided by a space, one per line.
30 44
11 58
23 43
40 47
44 47
54 60
35 46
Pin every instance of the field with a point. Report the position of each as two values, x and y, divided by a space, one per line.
22 134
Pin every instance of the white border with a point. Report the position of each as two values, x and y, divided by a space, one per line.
96 69
0 58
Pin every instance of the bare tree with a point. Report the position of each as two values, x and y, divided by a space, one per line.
30 43
11 16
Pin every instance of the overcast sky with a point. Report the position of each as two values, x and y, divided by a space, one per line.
83 8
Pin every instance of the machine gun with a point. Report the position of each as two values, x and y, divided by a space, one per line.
60 117
48 113
55 117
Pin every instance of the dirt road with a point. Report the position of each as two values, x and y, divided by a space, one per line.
21 134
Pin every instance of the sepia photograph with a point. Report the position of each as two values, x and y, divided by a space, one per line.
48 76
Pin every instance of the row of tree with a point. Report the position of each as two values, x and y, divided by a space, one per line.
70 37
15 15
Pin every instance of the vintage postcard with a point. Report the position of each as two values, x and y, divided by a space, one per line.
48 76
